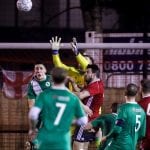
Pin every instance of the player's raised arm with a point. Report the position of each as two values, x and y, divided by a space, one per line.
55 45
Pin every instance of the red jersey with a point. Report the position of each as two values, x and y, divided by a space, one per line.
145 104
95 100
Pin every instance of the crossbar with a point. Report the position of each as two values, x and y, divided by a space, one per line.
80 46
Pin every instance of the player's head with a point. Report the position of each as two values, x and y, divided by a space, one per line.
131 90
59 75
89 58
91 73
145 86
114 107
90 61
40 71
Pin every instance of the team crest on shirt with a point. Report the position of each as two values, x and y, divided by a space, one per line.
47 84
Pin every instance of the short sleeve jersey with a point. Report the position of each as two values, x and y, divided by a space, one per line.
106 123
59 108
78 75
130 126
145 104
95 100
38 87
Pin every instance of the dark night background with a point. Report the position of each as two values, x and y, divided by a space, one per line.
66 18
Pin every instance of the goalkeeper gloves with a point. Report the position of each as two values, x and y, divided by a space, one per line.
74 46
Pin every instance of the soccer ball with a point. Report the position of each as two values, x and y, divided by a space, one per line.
24 5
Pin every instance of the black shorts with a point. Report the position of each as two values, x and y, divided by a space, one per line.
82 135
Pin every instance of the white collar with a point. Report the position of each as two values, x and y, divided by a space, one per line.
60 87
131 102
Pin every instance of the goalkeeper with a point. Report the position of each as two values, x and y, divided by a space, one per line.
76 73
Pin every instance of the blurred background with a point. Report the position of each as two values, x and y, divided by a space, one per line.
67 19
70 17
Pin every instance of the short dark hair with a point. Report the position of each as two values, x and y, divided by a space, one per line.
131 90
39 63
59 75
145 85
91 58
94 69
114 107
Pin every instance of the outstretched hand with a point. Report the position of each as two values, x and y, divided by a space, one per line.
74 46
55 43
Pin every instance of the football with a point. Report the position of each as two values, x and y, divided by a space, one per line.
24 5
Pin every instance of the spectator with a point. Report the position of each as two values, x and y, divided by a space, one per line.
145 104
130 124
55 105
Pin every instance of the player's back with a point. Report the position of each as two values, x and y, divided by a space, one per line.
134 123
59 108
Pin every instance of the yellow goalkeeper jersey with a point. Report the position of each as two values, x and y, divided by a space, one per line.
72 71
